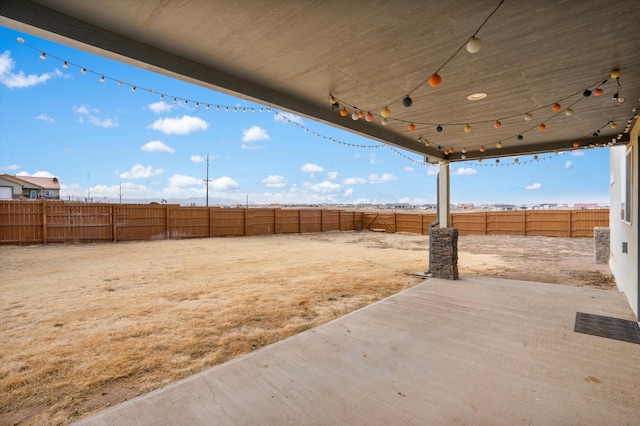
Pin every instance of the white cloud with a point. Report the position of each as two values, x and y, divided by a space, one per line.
254 133
386 177
182 181
275 181
408 168
41 173
179 125
102 122
157 146
82 109
332 175
250 147
536 185
92 116
568 164
373 159
287 117
10 167
20 80
324 187
465 171
139 171
223 183
45 117
432 170
354 181
311 168
160 107
577 153
198 159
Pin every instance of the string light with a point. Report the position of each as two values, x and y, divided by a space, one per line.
407 101
473 45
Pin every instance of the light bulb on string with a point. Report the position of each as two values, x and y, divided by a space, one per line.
520 137
343 112
162 97
556 107
83 70
568 112
133 89
467 129
407 101
354 116
499 145
208 106
102 79
615 73
369 117
412 127
473 45
614 125
598 92
20 40
439 128
120 83
497 124
528 117
384 122
65 65
435 80
386 112
542 126
43 56
482 149
586 93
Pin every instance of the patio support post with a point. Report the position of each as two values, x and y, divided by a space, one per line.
443 195
443 241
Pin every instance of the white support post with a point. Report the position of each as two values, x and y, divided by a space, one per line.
443 193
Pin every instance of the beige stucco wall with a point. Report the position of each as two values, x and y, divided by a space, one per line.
624 266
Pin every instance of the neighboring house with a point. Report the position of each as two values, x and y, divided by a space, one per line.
624 216
31 187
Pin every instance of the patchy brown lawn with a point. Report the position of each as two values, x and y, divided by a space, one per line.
87 326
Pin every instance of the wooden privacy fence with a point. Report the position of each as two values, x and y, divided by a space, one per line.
43 222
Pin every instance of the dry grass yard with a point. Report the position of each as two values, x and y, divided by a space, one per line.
88 326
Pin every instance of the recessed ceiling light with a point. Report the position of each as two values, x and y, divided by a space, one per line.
477 96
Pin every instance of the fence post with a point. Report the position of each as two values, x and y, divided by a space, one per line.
569 227
246 219
166 230
114 220
276 225
44 222
484 225
210 222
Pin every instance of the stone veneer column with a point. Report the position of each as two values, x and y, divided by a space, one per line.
444 253
601 244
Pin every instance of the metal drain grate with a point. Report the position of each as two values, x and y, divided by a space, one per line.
611 328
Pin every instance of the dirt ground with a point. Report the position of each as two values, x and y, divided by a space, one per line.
84 327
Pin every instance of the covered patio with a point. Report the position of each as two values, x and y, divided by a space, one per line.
472 351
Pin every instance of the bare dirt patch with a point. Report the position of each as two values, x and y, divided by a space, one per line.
88 326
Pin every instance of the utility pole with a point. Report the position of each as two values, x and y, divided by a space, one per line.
207 180
120 192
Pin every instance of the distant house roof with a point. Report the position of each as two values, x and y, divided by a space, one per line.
43 182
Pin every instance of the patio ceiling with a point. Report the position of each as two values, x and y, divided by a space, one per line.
370 54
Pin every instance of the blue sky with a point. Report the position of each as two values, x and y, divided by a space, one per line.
100 138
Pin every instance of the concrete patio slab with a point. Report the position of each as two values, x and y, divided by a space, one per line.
470 351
